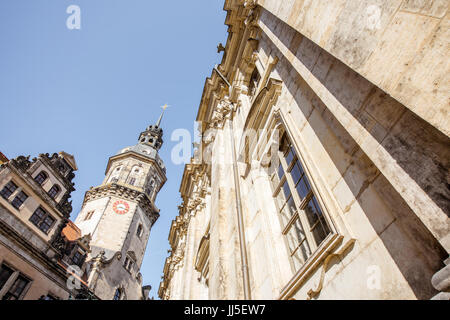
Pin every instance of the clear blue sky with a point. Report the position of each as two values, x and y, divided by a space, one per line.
90 92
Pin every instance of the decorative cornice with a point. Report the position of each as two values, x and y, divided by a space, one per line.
124 192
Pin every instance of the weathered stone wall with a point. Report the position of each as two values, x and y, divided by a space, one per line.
376 156
43 281
30 205
369 207
399 45
408 151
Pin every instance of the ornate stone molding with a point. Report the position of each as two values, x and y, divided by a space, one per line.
222 112
315 292
124 192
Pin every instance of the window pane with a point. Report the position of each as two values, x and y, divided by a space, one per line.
287 211
280 171
19 200
46 224
289 156
286 190
40 178
16 289
296 238
296 172
53 191
8 190
5 273
316 220
301 255
37 216
303 188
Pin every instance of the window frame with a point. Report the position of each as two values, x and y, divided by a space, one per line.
22 201
128 263
45 179
16 275
58 188
140 230
89 215
300 204
8 294
6 266
6 187
80 258
42 219
118 293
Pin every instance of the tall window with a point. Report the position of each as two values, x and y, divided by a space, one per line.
16 290
139 231
19 199
254 81
41 177
54 191
41 219
117 294
78 258
89 215
5 273
302 218
8 190
132 181
128 264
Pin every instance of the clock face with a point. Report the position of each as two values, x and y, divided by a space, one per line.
121 207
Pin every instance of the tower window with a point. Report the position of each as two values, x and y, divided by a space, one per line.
8 190
128 264
41 177
41 219
19 200
89 215
54 191
140 230
132 181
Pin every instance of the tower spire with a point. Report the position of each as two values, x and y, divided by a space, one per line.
164 107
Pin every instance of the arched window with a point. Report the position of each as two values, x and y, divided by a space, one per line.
54 191
114 177
254 82
135 176
139 230
41 177
117 294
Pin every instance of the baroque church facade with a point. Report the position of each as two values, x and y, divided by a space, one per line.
322 170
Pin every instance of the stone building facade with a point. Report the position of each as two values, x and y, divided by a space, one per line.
118 216
322 171
42 252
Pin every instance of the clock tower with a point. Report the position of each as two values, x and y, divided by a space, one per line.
119 214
